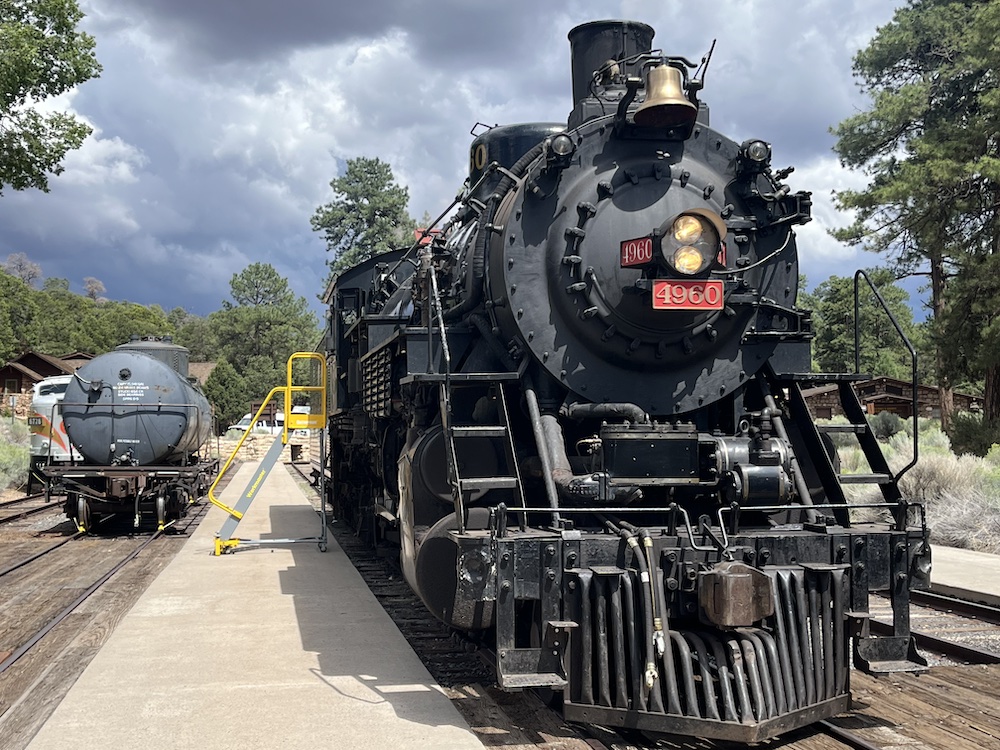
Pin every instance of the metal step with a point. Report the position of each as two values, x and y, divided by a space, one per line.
487 483
536 679
491 430
855 428
893 667
865 478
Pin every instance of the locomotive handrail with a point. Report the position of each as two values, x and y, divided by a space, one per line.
584 509
436 313
426 231
590 509
858 275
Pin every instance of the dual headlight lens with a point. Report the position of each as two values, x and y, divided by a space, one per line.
692 245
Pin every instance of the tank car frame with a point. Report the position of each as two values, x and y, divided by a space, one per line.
628 503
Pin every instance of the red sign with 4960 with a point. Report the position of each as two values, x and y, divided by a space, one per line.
637 252
688 295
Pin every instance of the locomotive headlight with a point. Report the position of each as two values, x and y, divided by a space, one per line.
688 260
559 150
693 241
754 157
687 228
758 151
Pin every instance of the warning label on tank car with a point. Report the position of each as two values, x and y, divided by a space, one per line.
130 391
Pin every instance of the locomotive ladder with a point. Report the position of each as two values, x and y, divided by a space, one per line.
877 654
462 488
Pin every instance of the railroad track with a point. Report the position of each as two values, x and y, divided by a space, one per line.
29 505
33 640
459 665
58 609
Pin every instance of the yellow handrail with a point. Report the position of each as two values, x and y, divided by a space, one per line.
292 421
229 461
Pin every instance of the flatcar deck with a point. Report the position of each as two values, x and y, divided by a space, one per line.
268 647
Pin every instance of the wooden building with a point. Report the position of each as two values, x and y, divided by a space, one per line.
20 374
886 394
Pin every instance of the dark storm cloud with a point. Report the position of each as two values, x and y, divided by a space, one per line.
223 31
219 123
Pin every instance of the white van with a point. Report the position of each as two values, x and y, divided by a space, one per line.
273 428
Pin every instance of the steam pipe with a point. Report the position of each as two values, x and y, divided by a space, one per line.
544 454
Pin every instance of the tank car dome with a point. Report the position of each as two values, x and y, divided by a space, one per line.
164 349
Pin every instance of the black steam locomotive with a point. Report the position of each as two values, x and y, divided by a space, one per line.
136 423
577 410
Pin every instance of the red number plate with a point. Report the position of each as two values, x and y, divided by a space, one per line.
687 295
637 252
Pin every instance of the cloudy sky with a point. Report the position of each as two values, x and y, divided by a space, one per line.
218 124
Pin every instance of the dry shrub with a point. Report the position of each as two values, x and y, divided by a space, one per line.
14 453
970 520
937 475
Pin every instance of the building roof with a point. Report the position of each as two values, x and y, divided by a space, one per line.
200 370
24 369
56 362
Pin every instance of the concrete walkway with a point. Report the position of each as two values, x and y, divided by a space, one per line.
966 574
280 647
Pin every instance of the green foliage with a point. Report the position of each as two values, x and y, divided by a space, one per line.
929 145
19 318
367 215
14 453
54 320
974 434
197 334
226 391
262 374
882 350
968 333
263 324
41 55
73 322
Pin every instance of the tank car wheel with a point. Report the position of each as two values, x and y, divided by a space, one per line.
83 519
161 509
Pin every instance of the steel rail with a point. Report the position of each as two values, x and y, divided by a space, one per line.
37 555
26 498
953 604
33 640
18 515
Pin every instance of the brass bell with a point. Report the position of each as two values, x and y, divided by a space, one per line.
666 106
